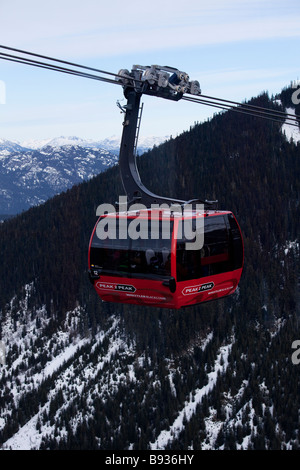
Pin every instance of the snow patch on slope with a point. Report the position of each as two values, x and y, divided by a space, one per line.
291 133
190 406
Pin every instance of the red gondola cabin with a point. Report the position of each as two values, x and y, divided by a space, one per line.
155 266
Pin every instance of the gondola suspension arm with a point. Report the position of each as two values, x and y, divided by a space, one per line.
164 82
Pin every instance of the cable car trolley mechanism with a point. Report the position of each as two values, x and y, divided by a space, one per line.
155 250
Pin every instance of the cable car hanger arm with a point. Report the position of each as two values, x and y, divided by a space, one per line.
164 82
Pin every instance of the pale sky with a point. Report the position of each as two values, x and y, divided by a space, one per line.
235 48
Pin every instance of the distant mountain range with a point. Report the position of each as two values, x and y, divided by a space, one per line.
33 171
110 143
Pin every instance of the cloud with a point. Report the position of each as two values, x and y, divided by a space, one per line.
109 33
101 29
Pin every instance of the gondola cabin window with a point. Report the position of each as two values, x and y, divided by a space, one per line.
148 255
221 252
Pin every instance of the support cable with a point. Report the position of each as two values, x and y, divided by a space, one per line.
58 60
56 68
132 81
293 121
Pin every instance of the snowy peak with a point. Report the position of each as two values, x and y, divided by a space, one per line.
61 141
110 143
30 177
32 171
10 146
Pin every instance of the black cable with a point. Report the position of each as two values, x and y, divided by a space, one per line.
58 60
292 121
280 120
56 68
250 106
253 110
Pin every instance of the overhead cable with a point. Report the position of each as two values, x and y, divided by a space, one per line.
57 60
248 105
269 115
56 68
220 103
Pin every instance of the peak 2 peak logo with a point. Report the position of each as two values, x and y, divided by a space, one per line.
115 287
197 289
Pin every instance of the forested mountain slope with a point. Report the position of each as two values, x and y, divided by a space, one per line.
80 374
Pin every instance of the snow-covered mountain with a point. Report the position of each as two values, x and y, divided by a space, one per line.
10 146
33 171
30 177
111 143
110 364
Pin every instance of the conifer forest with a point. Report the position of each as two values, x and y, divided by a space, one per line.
85 375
